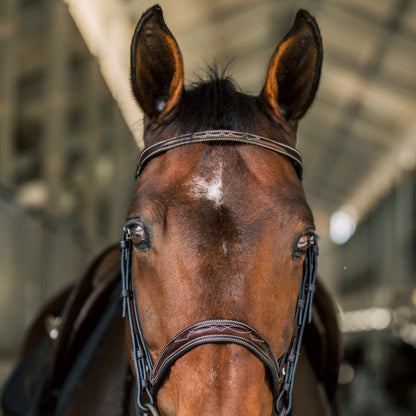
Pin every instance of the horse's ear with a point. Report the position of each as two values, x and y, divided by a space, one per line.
295 69
156 65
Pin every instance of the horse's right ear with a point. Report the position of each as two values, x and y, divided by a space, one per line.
156 65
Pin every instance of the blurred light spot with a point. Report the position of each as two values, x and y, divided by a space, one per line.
366 320
346 374
53 324
33 194
408 333
53 333
341 227
413 297
104 170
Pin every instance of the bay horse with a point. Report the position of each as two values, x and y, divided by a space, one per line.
218 255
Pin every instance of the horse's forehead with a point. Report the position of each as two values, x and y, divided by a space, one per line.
226 178
208 185
229 173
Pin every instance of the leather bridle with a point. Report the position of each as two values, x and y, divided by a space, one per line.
149 375
220 137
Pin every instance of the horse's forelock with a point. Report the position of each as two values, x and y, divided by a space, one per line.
216 103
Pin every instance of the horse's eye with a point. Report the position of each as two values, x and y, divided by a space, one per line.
137 234
304 242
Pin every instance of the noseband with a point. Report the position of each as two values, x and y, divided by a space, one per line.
149 375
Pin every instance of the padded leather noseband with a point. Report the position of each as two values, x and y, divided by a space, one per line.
212 332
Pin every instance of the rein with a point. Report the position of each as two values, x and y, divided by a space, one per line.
149 375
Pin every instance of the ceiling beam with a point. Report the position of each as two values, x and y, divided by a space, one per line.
107 35
387 172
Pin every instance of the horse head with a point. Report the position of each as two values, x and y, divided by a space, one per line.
219 228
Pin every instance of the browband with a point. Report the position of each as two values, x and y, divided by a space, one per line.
220 136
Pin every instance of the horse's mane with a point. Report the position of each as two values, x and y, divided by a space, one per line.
216 103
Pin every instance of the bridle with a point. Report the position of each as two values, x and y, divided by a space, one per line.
220 137
149 375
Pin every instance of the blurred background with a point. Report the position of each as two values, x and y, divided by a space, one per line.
70 133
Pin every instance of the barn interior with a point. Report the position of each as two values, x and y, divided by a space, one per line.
70 134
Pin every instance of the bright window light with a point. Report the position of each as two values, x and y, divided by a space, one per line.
341 227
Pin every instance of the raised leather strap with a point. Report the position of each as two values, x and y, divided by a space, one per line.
220 136
215 331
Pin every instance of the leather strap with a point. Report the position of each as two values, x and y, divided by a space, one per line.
220 136
215 331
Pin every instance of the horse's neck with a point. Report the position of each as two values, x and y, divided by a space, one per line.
94 333
322 342
107 382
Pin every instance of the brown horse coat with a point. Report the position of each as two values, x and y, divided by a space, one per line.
219 231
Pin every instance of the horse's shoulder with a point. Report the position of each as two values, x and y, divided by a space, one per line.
85 307
85 316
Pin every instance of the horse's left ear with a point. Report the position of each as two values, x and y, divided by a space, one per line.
156 65
295 69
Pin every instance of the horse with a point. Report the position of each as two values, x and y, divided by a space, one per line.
218 258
